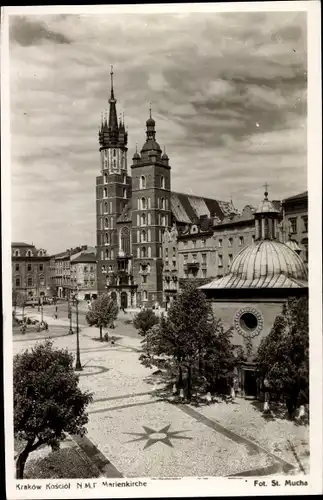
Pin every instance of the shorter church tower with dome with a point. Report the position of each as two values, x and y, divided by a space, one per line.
250 296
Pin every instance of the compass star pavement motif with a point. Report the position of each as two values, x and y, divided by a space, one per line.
152 436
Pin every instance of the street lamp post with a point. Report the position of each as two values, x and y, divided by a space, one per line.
70 332
78 366
41 311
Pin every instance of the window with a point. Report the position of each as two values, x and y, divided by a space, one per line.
185 259
29 267
220 243
29 282
145 295
204 258
293 225
220 260
17 281
230 241
105 207
305 230
162 182
106 223
41 267
142 182
112 254
185 244
114 153
174 264
204 273
143 252
143 220
143 237
203 243
105 178
107 254
124 193
144 278
149 251
166 253
85 269
138 253
162 203
194 257
143 204
125 240
230 258
17 253
17 267
105 193
107 238
241 240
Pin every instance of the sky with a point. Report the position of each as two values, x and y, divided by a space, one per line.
228 93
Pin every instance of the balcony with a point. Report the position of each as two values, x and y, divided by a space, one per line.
192 266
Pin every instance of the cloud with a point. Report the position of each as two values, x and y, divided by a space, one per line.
208 92
27 32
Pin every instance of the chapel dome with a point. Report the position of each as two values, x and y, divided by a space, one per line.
267 259
150 122
266 206
151 145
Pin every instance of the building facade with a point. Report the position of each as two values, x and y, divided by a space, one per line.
83 275
295 222
61 282
251 294
30 270
133 212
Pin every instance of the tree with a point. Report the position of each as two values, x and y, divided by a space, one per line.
103 312
47 400
189 339
283 356
144 321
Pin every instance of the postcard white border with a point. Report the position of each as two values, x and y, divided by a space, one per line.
185 486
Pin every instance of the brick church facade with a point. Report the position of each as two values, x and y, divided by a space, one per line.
133 212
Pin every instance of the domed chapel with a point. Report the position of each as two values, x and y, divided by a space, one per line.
250 296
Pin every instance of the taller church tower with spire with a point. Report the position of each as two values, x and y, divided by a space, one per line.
113 189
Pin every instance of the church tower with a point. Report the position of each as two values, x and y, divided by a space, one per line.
151 215
113 189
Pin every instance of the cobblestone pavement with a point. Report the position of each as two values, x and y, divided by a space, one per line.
140 435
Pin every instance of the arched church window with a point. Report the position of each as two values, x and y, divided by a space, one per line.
143 237
145 295
142 182
143 252
149 219
16 253
106 223
107 239
162 182
125 240
162 203
105 178
114 153
105 193
105 207
107 254
143 203
124 193
143 219
149 252
29 253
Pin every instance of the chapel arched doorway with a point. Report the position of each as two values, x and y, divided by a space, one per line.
124 300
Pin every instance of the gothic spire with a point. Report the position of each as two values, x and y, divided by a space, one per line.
113 119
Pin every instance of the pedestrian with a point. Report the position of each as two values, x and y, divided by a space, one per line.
267 394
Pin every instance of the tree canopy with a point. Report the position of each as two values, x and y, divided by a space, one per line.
283 356
47 400
103 312
190 339
145 320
